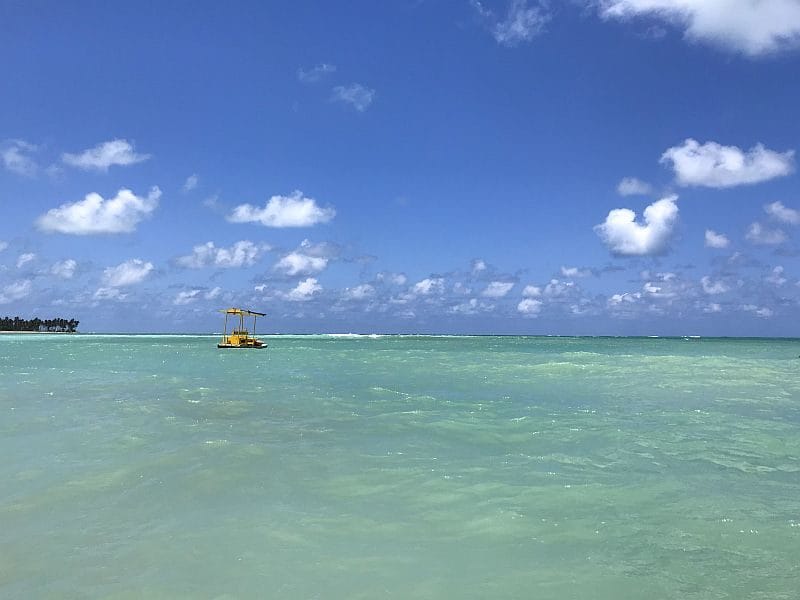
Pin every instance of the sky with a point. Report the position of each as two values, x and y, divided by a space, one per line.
573 167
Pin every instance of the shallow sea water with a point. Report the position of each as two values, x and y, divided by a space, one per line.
399 467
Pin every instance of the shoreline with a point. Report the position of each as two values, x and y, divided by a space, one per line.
5 332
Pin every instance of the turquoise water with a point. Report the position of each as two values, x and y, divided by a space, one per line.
399 467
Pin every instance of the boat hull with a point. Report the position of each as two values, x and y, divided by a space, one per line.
242 347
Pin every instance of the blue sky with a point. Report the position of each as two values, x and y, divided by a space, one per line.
578 167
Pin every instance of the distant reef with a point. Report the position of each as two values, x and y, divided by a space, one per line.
57 325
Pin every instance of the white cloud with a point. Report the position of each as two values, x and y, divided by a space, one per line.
213 293
293 210
304 290
15 157
393 278
190 183
575 272
529 307
296 263
105 293
759 234
478 266
242 254
315 73
557 288
186 297
716 166
783 214
713 307
105 155
776 277
521 24
360 292
471 307
3 245
356 95
64 269
625 298
429 286
760 311
713 287
497 289
751 27
625 237
128 273
532 291
15 291
94 215
716 240
24 259
630 186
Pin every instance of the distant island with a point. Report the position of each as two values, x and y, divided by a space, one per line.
57 325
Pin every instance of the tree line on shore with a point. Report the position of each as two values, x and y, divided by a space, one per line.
36 324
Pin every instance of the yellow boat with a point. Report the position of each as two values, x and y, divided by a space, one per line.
240 337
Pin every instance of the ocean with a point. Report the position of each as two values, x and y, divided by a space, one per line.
349 467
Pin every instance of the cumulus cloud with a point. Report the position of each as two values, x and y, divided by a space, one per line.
716 240
479 266
106 293
355 95
575 272
521 23
532 291
776 278
315 73
64 269
3 245
359 292
429 286
190 183
764 236
497 289
294 210
749 27
296 263
625 237
630 186
712 287
15 155
616 300
94 215
759 311
15 291
779 212
130 272
529 307
186 297
107 154
242 254
392 278
716 166
308 259
304 290
25 258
